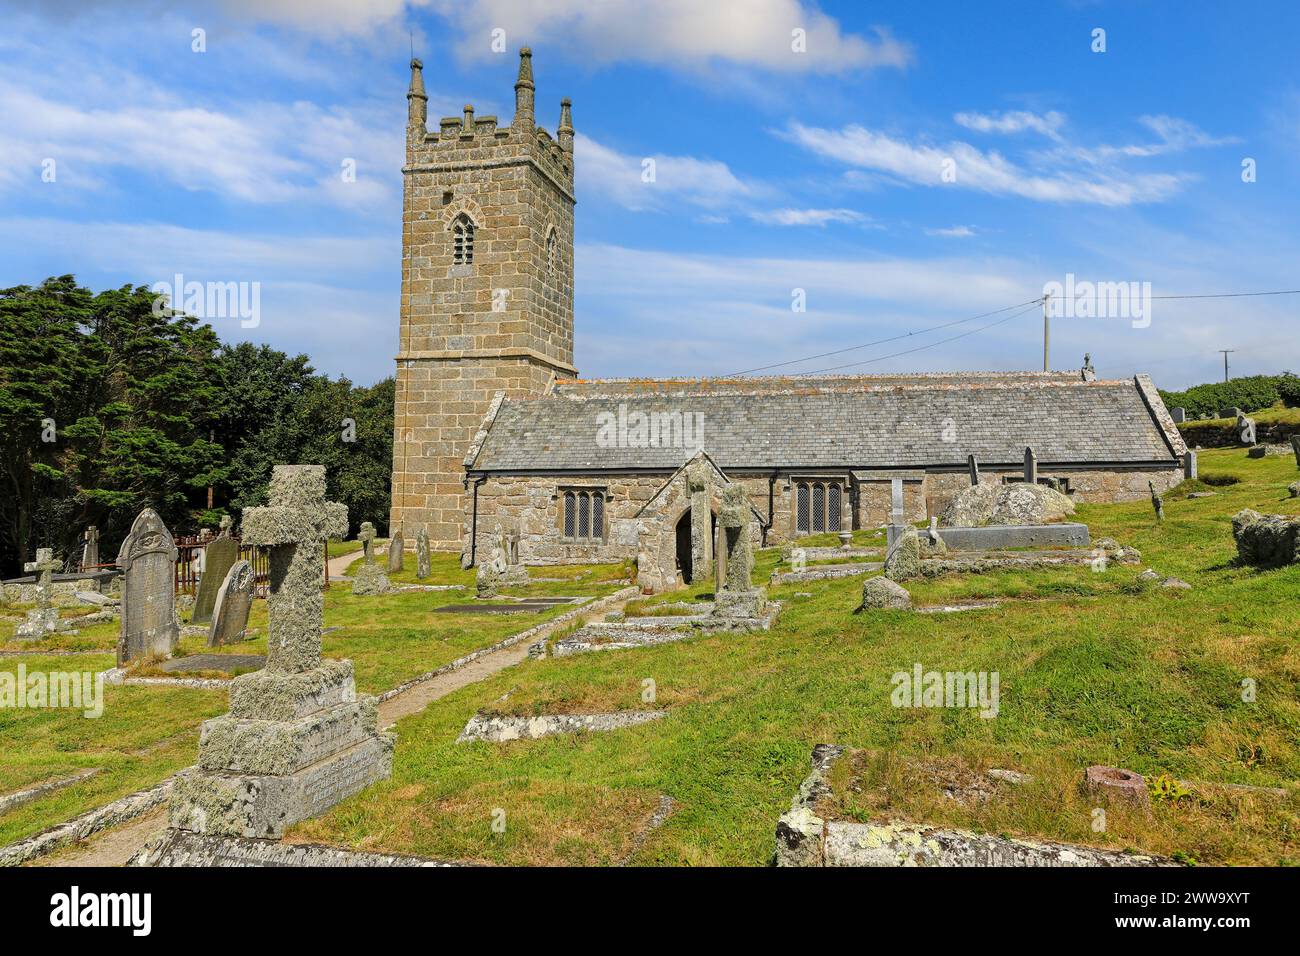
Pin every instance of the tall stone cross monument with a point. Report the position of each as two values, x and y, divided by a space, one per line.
297 739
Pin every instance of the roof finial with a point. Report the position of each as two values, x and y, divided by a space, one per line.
565 129
524 91
417 101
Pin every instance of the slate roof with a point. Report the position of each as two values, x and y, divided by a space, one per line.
861 422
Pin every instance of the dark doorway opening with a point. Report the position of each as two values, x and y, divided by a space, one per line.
684 546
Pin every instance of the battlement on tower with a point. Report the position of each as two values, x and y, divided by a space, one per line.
481 140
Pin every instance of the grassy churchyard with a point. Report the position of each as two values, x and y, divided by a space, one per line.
147 733
1094 668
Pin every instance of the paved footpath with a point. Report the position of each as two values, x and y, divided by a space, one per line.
114 847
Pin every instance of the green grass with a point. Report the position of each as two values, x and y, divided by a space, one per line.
1094 668
147 733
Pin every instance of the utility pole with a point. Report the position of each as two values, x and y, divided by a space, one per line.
1225 362
1047 334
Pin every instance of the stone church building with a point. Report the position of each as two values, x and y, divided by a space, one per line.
493 427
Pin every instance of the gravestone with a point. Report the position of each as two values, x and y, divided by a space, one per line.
896 513
1189 464
491 574
697 484
219 556
90 550
973 466
738 597
370 579
148 561
1295 446
234 600
508 545
1179 415
1157 502
1231 411
903 556
719 559
421 554
1245 430
396 547
1031 467
44 618
297 739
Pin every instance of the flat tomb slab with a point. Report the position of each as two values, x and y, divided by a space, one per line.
228 663
521 608
997 537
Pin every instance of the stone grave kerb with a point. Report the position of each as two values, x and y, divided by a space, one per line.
292 526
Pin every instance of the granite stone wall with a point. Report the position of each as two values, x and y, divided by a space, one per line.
503 323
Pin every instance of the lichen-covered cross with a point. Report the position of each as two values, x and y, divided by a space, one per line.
366 535
44 567
293 526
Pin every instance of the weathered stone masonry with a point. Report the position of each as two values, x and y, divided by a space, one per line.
499 321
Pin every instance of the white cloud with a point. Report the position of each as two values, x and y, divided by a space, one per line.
952 232
685 33
807 217
1013 122
260 153
970 168
646 183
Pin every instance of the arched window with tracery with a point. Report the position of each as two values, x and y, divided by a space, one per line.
462 241
582 514
818 506
552 252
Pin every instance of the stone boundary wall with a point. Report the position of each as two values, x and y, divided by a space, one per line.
533 503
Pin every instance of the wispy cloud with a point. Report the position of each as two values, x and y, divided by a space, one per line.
952 232
808 217
259 153
1018 121
780 35
963 166
652 182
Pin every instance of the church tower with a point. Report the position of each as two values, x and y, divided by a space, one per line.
487 291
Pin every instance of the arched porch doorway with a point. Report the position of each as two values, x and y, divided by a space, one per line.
684 560
685 555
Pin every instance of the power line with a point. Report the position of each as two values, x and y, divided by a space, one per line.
1228 295
920 348
892 338
960 321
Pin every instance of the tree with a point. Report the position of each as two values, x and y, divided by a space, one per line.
109 403
41 367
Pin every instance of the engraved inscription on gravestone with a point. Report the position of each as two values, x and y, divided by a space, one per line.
234 600
148 560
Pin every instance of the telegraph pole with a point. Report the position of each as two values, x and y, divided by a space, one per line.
1225 362
1047 334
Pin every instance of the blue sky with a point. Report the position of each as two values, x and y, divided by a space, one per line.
777 169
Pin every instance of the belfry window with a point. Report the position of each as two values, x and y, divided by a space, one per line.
551 252
462 241
582 514
818 506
